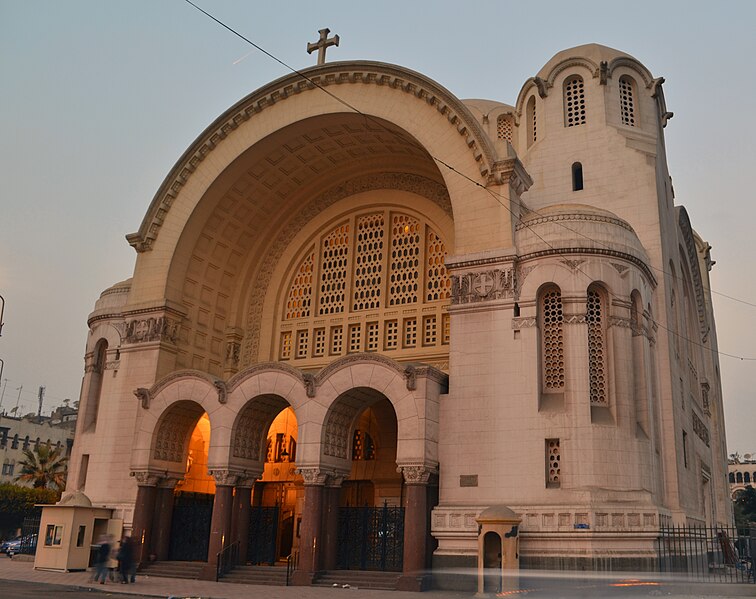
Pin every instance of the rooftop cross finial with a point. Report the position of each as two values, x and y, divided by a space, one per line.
323 43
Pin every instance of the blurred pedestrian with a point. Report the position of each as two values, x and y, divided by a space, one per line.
126 560
101 559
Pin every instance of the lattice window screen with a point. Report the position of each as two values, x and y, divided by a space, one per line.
333 270
368 262
405 259
553 463
319 346
429 330
504 128
596 348
532 121
372 337
337 340
437 279
355 338
300 292
392 334
552 340
574 101
627 104
285 349
303 339
410 332
446 329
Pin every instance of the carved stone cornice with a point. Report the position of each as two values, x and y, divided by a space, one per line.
167 483
143 395
417 474
574 319
145 478
224 477
512 172
621 322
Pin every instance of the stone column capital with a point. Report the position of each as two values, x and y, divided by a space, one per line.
336 479
145 478
313 475
224 477
417 474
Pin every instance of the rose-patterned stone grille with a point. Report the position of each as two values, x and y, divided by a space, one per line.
552 340
596 348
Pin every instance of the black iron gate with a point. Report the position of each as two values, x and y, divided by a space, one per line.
718 554
263 530
190 526
29 533
371 538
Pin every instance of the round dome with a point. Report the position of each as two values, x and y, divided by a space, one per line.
75 499
114 296
572 228
596 53
497 513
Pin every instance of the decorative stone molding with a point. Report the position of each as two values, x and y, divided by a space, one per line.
220 387
313 476
142 330
695 271
417 474
512 172
524 322
427 188
705 388
410 377
168 482
574 319
180 374
572 264
113 365
622 269
143 395
621 322
310 383
241 376
233 349
145 478
473 287
363 72
700 428
336 479
223 477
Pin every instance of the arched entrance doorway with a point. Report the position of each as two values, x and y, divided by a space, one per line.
371 513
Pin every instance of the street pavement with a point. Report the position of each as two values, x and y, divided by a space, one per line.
19 580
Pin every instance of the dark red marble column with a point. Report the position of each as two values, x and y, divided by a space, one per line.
220 524
240 524
310 544
415 576
330 544
144 511
161 530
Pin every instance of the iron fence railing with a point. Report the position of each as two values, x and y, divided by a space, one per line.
227 560
716 554
292 561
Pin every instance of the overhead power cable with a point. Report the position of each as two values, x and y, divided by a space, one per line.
471 180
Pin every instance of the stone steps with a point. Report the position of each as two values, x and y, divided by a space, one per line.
361 579
263 575
168 569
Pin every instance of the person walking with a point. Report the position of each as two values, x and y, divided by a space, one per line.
101 559
126 560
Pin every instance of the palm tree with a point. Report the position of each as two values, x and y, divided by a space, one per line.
44 467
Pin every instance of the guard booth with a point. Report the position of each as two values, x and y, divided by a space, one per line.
67 531
498 551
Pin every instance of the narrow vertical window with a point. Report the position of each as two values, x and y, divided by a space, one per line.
574 101
97 372
504 128
685 450
303 342
553 464
552 340
627 101
284 352
597 372
577 176
530 117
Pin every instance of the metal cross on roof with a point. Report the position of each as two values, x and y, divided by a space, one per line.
323 43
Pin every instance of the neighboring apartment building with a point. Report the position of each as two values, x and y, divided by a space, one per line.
28 432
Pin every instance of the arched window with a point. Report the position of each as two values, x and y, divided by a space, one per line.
97 370
732 478
746 477
504 127
363 447
26 442
531 120
577 176
14 444
596 317
550 324
368 266
627 100
574 101
739 477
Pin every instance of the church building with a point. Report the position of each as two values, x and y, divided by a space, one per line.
365 311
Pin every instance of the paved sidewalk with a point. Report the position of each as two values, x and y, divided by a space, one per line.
167 587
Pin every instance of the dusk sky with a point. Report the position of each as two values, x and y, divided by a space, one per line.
100 98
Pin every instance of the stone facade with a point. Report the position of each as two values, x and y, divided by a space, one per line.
531 327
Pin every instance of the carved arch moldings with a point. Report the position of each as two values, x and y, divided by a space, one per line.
187 374
691 254
279 367
371 73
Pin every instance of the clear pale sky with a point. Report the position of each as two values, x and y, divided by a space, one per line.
100 98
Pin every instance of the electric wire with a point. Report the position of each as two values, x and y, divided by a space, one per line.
477 183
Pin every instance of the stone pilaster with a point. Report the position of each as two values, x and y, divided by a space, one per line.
310 544
415 575
144 511
220 525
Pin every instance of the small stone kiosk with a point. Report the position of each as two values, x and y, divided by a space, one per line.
67 531
498 551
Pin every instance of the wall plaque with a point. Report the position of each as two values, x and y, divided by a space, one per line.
468 480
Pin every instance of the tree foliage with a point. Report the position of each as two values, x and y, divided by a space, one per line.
45 467
18 502
745 507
